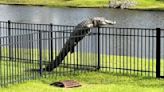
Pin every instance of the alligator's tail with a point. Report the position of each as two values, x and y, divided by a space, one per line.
63 53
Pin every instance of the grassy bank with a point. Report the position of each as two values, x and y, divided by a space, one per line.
149 5
92 82
60 3
142 4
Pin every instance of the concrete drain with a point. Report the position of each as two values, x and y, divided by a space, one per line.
66 84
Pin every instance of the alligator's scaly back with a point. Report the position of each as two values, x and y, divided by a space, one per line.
80 31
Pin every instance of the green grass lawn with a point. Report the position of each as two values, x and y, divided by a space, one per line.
141 4
111 63
92 82
111 80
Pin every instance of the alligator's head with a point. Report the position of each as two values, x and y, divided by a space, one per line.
99 21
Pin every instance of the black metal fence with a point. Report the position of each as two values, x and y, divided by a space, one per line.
26 49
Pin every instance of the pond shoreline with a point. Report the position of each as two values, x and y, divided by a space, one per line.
55 6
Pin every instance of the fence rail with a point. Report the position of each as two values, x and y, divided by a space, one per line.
26 49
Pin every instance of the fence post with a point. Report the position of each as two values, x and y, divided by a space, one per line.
9 39
1 80
40 52
0 43
51 39
158 54
98 66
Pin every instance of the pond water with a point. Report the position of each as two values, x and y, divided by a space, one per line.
72 16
